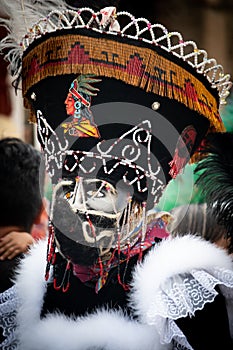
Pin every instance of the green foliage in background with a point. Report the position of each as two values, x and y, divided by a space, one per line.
226 113
181 190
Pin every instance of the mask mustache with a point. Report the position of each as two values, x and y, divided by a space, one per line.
75 243
69 235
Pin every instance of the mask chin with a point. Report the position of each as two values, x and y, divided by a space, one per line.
77 253
84 232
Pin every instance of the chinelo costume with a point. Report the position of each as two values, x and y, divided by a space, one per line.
121 105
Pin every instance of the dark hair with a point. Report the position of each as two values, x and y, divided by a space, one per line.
20 179
198 219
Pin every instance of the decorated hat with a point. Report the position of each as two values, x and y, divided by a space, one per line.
121 105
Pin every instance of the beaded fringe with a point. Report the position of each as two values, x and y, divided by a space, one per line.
138 66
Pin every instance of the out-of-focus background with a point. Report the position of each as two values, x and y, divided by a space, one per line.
207 22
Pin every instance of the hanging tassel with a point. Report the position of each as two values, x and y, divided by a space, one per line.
143 233
51 255
125 286
65 283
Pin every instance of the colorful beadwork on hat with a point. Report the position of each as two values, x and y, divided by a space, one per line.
143 67
173 42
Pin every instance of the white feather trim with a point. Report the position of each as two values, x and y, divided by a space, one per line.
105 329
175 270
31 284
163 284
20 17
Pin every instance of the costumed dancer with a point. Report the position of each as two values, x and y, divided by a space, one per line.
121 105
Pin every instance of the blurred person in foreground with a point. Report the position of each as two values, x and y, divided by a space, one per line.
21 204
21 201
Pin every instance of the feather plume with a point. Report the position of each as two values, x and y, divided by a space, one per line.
215 177
19 17
84 84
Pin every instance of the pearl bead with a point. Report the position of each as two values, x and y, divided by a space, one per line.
155 106
33 96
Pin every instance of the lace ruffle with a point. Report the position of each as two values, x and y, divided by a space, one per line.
9 303
181 296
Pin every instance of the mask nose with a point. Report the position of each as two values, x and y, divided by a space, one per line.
77 200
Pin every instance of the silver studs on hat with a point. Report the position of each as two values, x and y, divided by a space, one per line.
33 96
155 106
